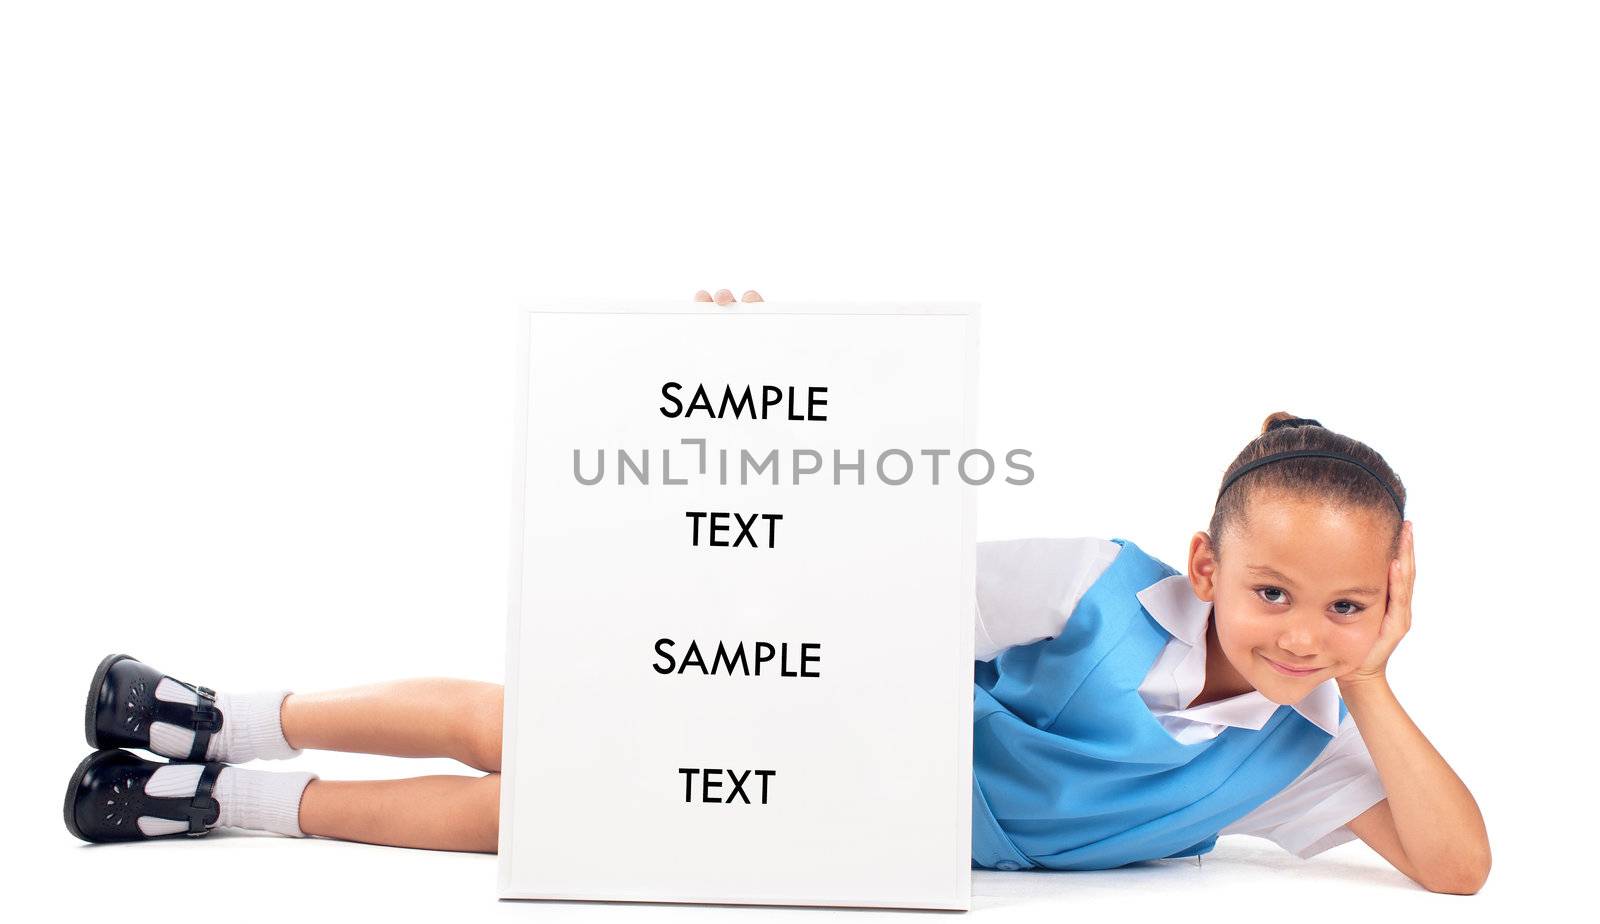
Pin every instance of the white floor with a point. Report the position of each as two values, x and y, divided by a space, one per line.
244 877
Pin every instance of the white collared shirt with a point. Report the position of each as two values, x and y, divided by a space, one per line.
1027 588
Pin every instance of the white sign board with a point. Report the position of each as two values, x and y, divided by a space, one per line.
740 660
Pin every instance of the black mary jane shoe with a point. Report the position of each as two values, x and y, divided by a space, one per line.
106 798
122 706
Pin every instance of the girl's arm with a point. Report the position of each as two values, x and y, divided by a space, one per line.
1429 827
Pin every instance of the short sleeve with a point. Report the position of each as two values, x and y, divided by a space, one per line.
1313 812
1027 588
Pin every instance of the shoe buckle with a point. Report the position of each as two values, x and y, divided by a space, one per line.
202 811
206 717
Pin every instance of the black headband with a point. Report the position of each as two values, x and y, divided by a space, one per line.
1312 453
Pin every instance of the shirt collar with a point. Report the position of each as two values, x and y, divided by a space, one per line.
1171 601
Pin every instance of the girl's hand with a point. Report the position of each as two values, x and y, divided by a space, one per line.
1396 618
725 297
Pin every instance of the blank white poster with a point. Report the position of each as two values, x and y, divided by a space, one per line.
741 632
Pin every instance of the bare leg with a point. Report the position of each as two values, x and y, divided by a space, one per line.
432 812
428 717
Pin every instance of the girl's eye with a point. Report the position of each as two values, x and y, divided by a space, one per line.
1354 608
1263 593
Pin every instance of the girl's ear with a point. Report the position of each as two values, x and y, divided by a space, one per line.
1202 566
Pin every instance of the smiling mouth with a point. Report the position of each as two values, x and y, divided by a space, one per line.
1290 671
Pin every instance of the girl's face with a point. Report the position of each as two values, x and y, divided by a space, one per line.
1299 592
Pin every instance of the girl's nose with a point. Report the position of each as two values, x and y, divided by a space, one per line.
1298 637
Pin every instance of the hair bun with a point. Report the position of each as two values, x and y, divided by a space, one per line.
1275 422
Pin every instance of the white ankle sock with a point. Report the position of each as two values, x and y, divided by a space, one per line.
259 800
251 727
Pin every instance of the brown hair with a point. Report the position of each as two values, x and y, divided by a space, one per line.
1324 479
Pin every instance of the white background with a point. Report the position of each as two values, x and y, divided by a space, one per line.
258 273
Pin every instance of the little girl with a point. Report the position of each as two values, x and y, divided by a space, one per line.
1123 711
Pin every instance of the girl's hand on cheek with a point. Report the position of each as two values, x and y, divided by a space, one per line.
1396 618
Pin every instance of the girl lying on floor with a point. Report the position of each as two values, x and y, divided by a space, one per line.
1123 710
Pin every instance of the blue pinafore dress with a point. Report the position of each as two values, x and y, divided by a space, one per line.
1071 770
